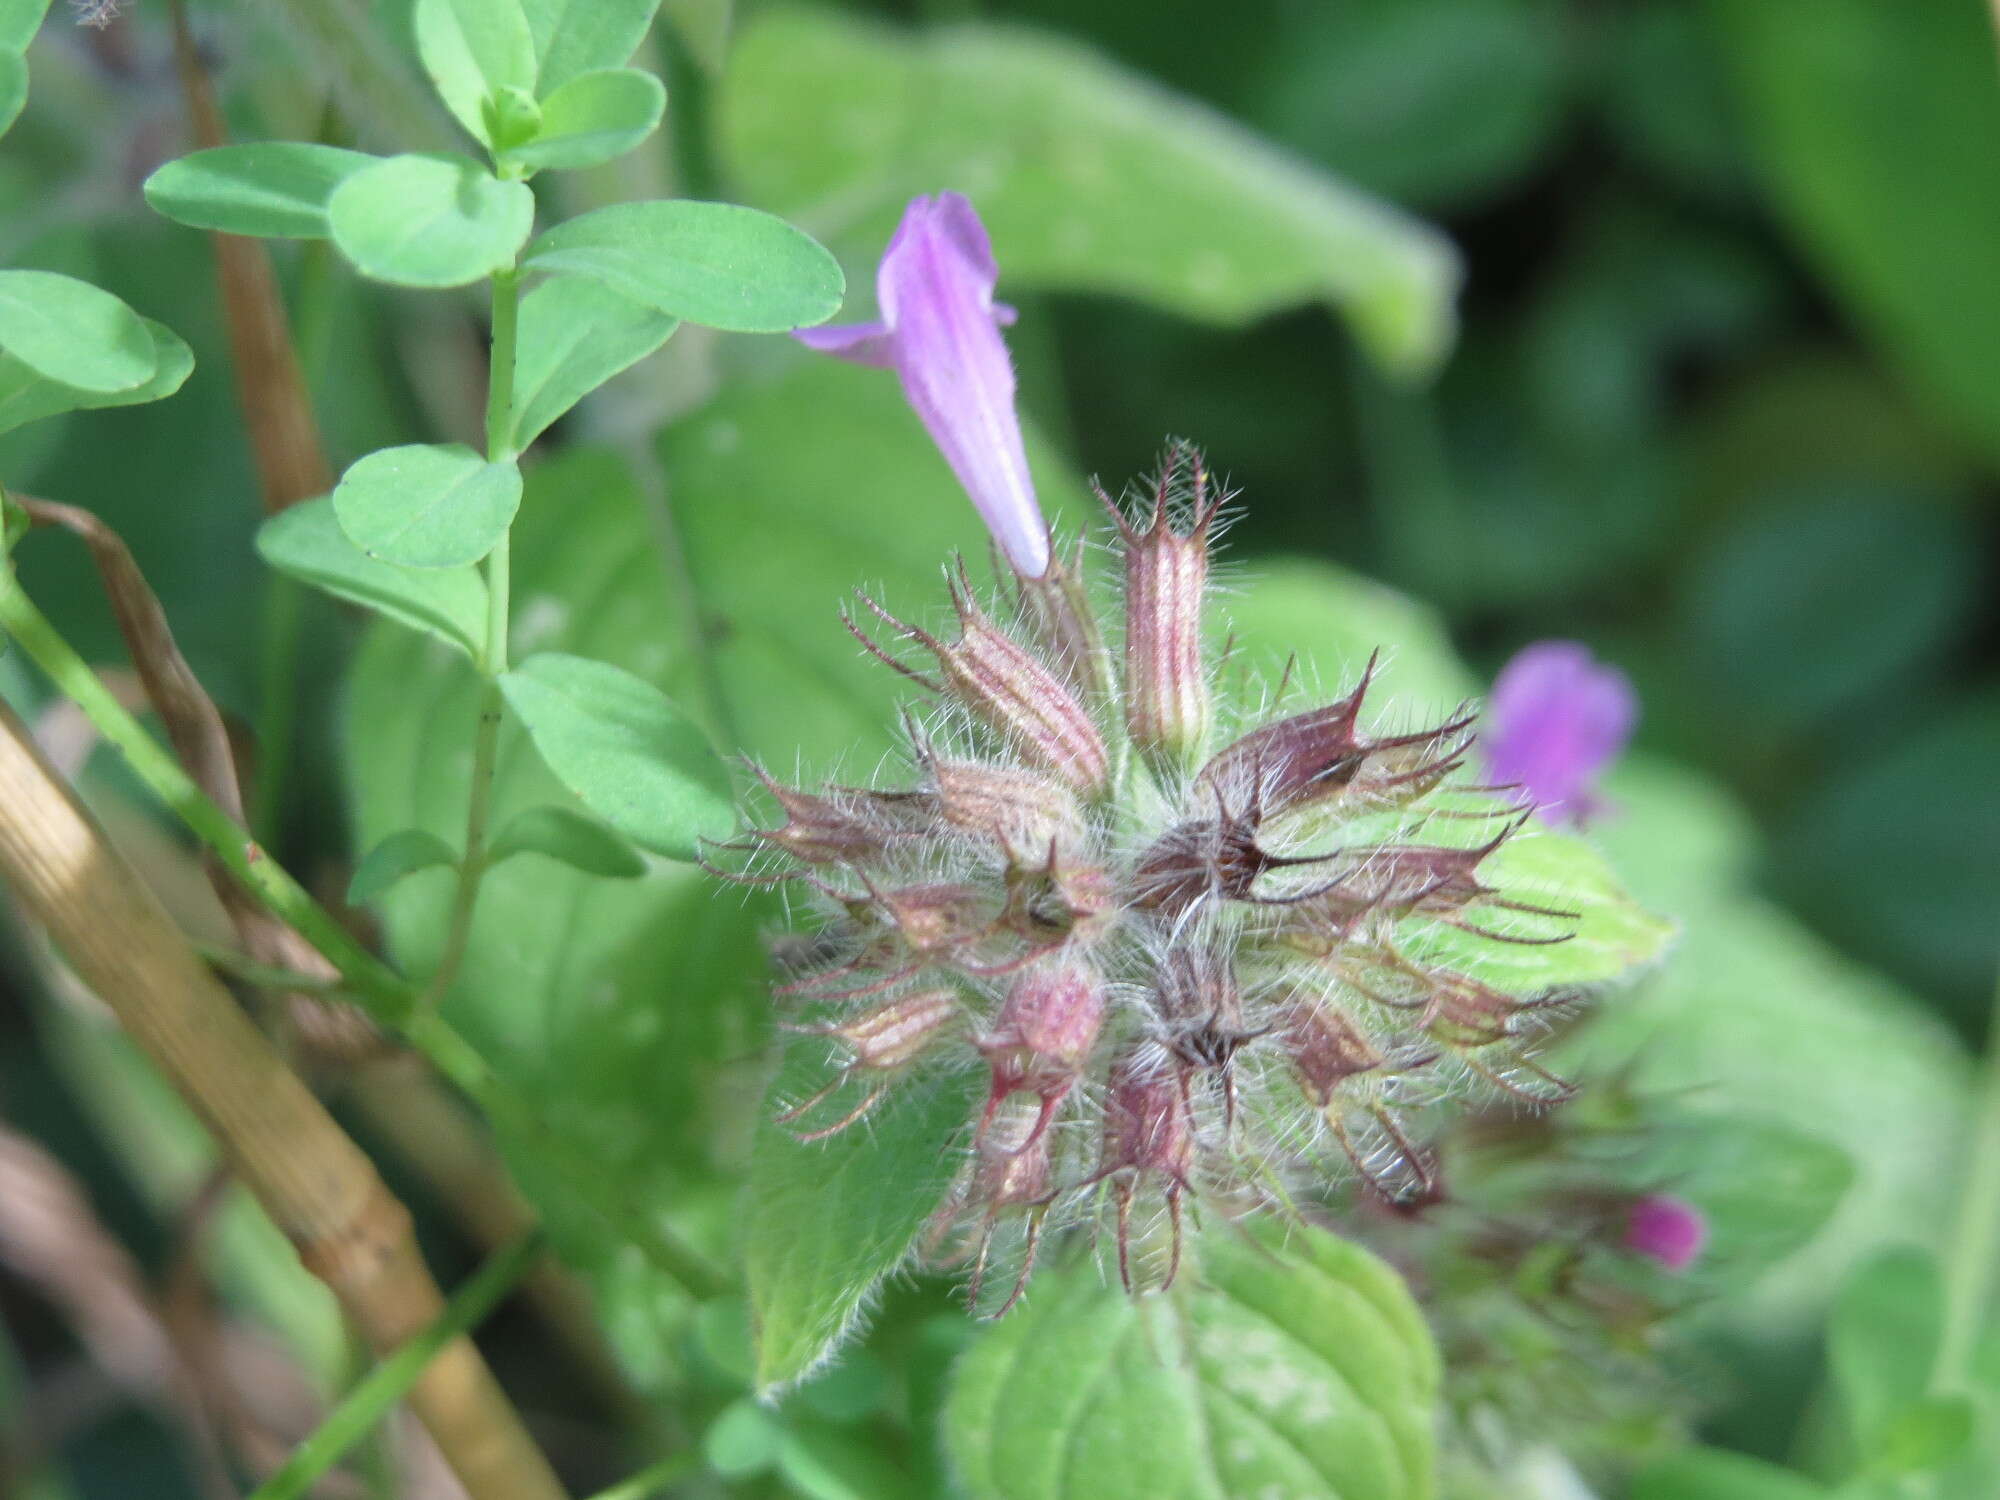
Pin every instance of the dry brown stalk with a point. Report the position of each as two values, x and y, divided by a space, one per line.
316 1184
284 436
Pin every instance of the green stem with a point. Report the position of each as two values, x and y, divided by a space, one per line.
264 976
1972 1257
493 659
369 1401
277 714
389 995
649 1481
470 1073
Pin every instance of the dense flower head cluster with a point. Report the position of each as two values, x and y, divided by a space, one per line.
1197 951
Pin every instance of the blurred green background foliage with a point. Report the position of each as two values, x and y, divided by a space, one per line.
1723 401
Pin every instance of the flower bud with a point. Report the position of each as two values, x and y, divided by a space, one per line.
839 824
896 1032
1005 688
1667 1230
1052 1012
1166 578
1028 816
1148 1132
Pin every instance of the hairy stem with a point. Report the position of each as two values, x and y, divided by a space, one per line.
313 1181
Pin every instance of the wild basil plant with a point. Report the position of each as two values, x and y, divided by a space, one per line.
1146 966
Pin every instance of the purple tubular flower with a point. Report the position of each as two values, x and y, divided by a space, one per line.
1666 1229
1556 718
940 333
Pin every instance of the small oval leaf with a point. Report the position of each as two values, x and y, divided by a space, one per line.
307 543
427 505
269 188
26 396
575 334
430 221
472 49
404 852
626 750
562 834
1290 1363
73 333
717 264
594 119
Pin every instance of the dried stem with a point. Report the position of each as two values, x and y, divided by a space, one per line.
315 1183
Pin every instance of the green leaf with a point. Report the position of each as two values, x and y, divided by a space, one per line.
19 21
626 750
594 118
1711 1474
427 505
569 837
1089 178
404 852
270 188
1924 1436
575 334
430 221
822 1462
13 88
827 1220
74 334
1294 1363
712 263
1841 96
472 49
306 542
26 396
1425 101
574 37
1882 1338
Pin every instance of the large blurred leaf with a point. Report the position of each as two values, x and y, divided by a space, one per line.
1427 101
1895 849
1805 606
1873 122
1289 1364
1088 178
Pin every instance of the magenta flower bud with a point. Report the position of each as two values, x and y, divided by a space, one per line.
940 333
1052 1012
1557 718
1669 1230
